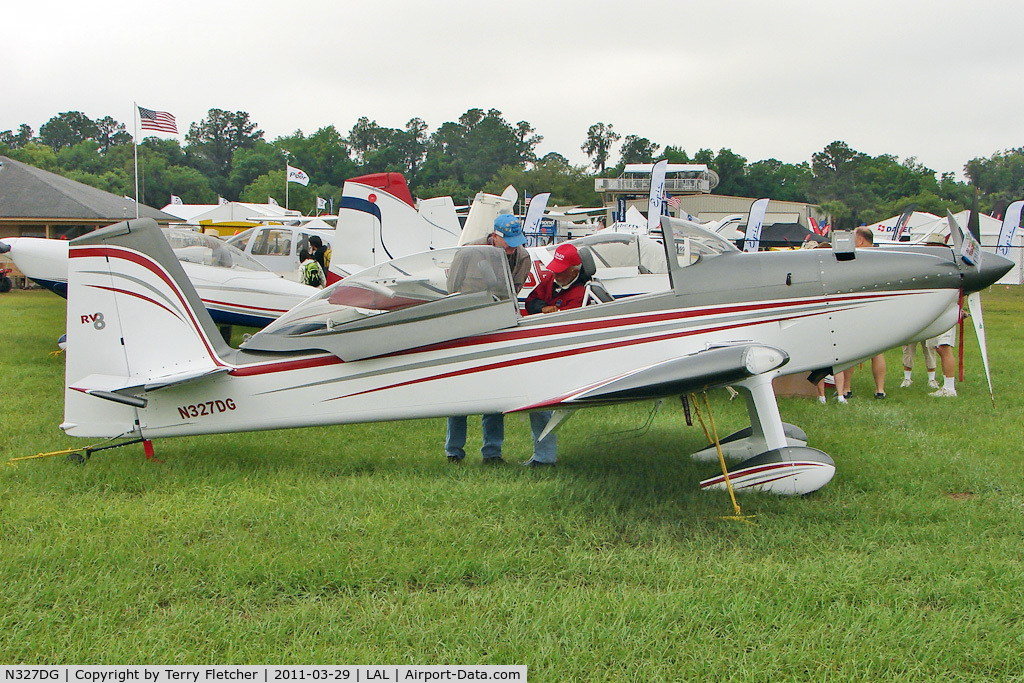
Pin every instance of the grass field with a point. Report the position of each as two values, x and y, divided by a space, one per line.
361 545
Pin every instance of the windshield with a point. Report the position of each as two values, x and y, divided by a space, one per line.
195 247
462 277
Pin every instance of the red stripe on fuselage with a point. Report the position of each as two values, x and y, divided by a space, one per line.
563 328
568 352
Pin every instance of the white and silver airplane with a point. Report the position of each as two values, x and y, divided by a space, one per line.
439 333
235 289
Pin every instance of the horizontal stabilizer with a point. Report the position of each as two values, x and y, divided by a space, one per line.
715 366
110 383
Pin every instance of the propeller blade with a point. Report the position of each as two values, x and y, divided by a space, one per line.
974 306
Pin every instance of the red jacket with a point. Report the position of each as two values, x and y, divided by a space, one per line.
544 295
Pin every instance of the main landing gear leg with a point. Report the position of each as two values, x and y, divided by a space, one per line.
784 464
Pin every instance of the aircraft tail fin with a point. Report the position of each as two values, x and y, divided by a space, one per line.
134 323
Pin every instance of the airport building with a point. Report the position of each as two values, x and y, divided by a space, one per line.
37 203
689 187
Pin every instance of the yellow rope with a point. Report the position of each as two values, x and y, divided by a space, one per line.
712 437
37 456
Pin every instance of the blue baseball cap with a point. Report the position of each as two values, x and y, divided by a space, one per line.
510 229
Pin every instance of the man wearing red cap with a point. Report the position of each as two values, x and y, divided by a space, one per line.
561 288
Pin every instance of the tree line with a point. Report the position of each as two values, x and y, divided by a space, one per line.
227 155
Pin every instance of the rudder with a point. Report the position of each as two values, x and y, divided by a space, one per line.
134 322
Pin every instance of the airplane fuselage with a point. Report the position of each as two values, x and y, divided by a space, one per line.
824 313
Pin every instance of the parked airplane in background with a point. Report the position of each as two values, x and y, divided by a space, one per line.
377 220
235 289
400 341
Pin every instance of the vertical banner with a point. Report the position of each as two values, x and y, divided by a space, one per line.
620 212
903 223
531 224
1011 221
755 220
657 196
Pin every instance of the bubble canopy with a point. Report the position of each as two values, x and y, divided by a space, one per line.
421 299
195 247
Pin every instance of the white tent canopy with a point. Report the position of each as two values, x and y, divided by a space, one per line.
229 212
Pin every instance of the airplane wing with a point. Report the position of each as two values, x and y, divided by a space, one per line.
712 367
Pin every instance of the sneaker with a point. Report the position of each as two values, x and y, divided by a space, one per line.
944 393
880 395
454 459
906 383
842 400
537 463
821 400
496 460
848 395
934 384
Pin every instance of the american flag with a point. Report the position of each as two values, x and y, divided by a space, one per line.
157 120
672 201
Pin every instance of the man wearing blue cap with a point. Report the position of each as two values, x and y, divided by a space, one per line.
508 236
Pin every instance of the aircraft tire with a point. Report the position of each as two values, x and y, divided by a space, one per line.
5 284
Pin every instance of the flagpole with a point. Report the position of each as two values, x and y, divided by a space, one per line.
286 184
135 139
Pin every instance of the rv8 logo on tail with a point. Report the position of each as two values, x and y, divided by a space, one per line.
96 320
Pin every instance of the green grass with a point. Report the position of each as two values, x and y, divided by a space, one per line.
360 544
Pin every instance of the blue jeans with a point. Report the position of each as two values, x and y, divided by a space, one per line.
493 432
543 451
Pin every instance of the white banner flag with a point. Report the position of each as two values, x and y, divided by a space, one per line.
321 203
657 195
272 201
221 201
176 200
531 225
755 220
297 175
1011 221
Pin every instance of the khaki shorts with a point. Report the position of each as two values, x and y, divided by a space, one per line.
947 338
929 355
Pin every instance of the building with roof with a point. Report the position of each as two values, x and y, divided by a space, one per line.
38 203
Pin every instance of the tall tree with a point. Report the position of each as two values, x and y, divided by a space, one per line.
67 129
211 143
471 150
249 163
676 155
528 141
731 169
638 150
598 146
774 179
109 133
19 139
1000 178
324 155
366 137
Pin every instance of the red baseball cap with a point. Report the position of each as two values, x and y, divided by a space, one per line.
565 258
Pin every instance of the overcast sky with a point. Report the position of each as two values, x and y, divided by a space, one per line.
936 79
